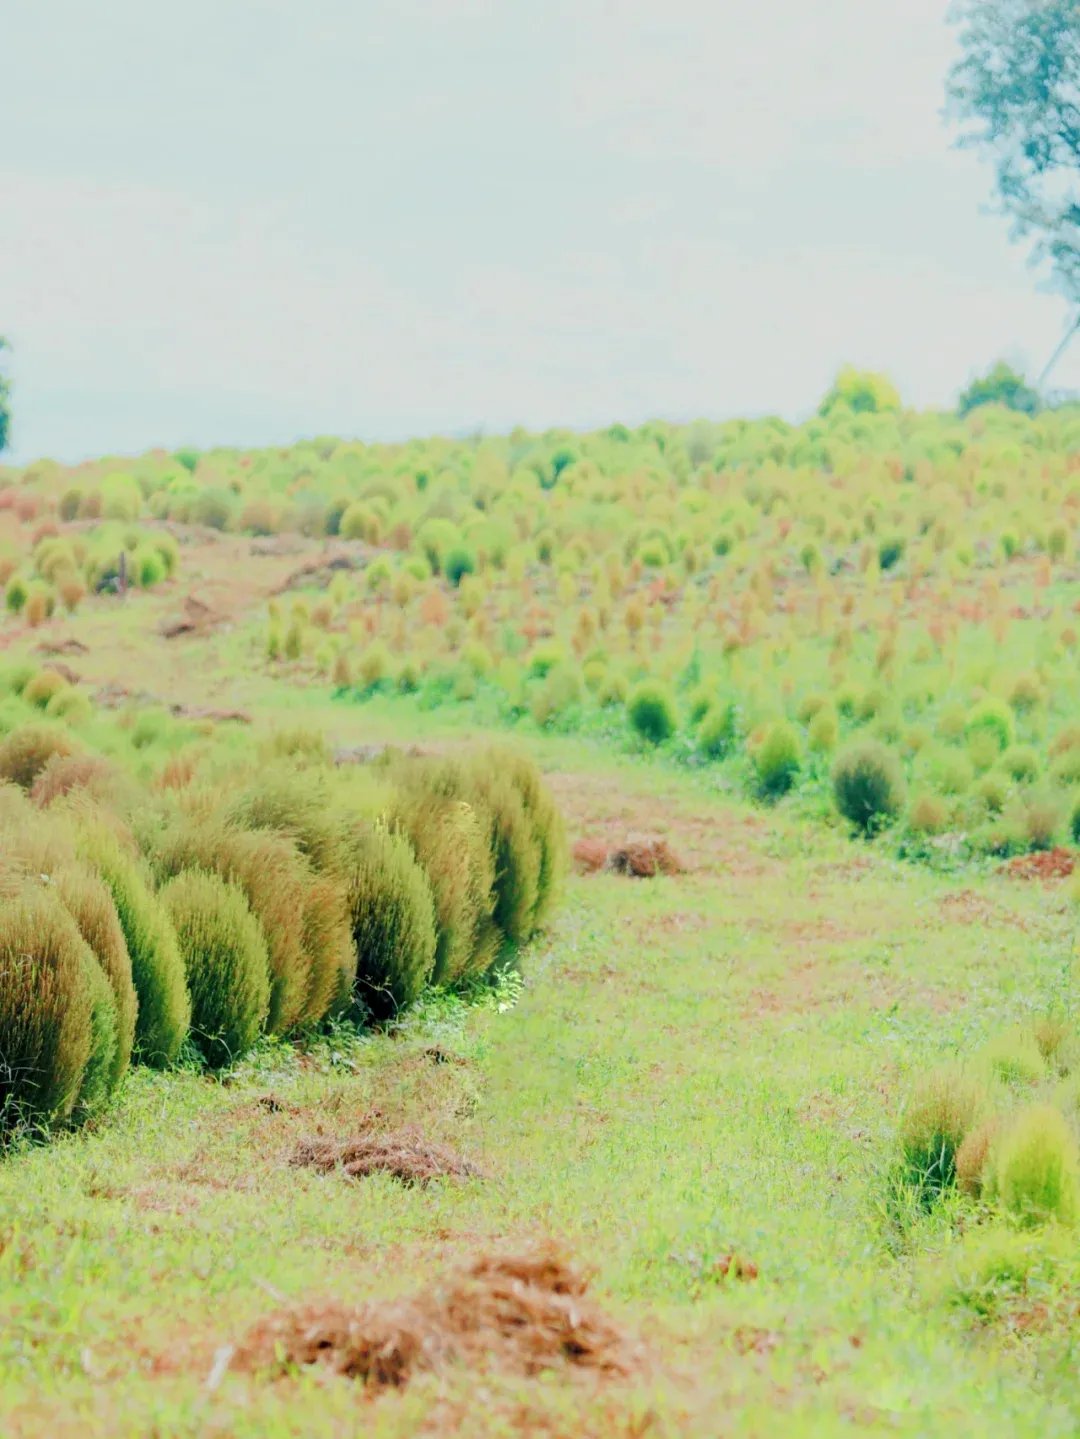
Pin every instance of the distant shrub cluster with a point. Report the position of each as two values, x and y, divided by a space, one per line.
871 613
1002 1129
63 564
243 894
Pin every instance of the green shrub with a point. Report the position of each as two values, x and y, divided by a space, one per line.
157 969
944 1107
69 705
26 751
1014 1057
652 712
993 718
103 1069
517 851
868 785
274 879
717 730
43 687
90 904
46 1003
458 563
547 826
393 921
16 594
448 840
1035 1167
777 760
225 962
297 804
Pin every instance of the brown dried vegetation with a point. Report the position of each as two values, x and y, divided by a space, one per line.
521 1314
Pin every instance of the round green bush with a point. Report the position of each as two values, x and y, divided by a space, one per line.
991 717
1021 763
46 1003
868 786
225 962
393 921
458 563
652 712
43 687
157 969
777 760
274 878
1035 1167
89 902
716 732
26 751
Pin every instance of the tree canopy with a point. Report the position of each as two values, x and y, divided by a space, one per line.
1017 83
1001 385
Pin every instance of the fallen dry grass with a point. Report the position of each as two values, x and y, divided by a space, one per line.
524 1312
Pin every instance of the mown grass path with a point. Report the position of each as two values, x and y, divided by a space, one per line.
699 1067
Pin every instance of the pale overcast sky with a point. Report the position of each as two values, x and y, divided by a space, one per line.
245 221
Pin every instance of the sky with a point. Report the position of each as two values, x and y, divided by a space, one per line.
249 221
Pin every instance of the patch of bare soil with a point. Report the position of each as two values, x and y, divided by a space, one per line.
405 1154
1044 865
523 1314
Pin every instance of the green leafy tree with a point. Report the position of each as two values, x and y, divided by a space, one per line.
1017 82
860 391
1001 385
5 396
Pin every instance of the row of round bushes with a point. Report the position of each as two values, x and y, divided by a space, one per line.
145 924
1002 1129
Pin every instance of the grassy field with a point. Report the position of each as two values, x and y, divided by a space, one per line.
697 1067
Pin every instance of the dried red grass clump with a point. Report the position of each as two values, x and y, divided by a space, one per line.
643 857
405 1154
735 1266
521 1314
590 855
1047 864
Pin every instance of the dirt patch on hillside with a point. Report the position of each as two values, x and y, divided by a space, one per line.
522 1314
404 1154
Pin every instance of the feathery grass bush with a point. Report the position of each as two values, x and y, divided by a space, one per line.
1035 1167
157 969
777 760
90 904
274 878
46 1002
26 751
868 785
943 1109
225 962
993 718
717 729
652 712
393 921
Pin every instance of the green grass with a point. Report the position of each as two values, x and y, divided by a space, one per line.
700 1065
